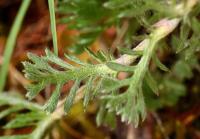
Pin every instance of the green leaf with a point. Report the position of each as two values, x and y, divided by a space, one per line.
129 105
104 117
9 111
93 55
151 83
75 59
100 115
114 4
184 32
177 44
181 42
40 63
159 64
194 48
111 84
70 98
97 88
16 137
182 70
56 60
32 72
42 77
195 25
87 92
129 51
16 101
23 120
50 106
34 89
101 55
119 67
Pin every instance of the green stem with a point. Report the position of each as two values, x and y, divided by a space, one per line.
164 27
11 41
143 64
53 25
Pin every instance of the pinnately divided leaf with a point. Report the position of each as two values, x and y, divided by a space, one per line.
129 104
123 97
42 73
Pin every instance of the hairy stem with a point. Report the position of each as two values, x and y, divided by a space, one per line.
164 27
